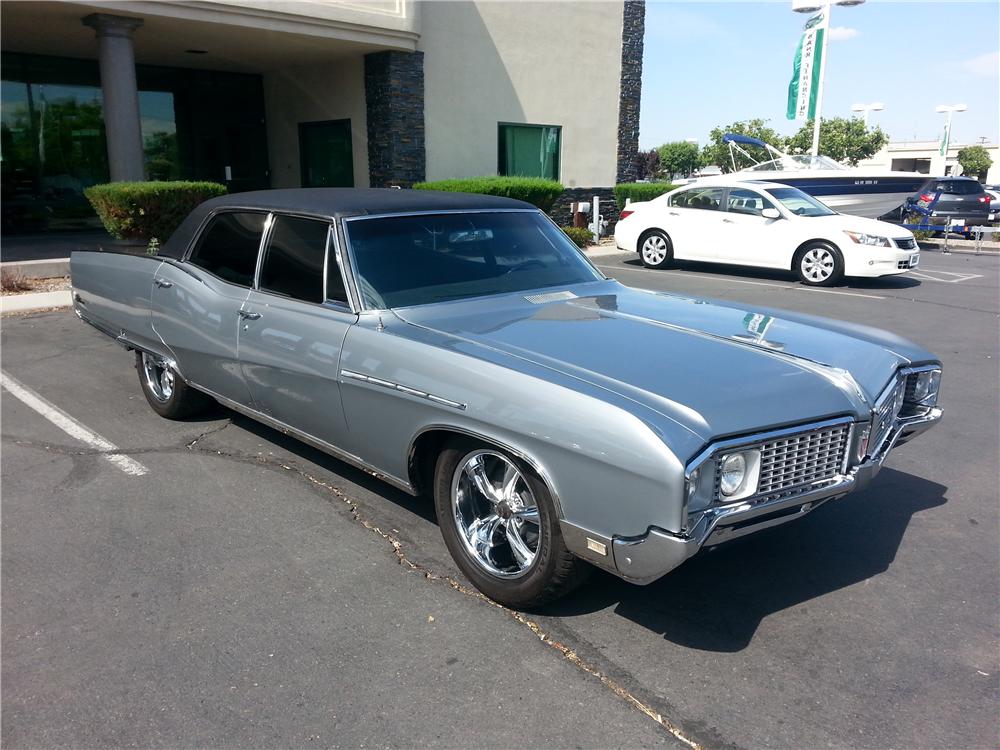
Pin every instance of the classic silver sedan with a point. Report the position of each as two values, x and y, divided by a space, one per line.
462 347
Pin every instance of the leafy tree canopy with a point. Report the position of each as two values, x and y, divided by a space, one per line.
975 161
678 158
842 139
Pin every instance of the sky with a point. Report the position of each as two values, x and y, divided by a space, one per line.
708 64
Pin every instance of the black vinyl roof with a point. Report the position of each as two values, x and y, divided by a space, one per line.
333 203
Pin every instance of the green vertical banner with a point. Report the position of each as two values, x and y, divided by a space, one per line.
945 138
804 86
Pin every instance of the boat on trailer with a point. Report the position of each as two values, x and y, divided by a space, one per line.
871 192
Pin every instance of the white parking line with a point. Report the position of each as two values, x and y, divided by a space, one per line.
927 274
70 426
753 283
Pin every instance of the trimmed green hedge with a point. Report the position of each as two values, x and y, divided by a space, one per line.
144 210
580 235
535 190
640 191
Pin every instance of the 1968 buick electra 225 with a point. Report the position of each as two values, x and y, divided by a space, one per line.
461 346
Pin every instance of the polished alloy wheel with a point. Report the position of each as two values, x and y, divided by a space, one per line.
495 513
159 377
654 249
818 264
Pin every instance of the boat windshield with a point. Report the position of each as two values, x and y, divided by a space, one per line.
795 163
799 203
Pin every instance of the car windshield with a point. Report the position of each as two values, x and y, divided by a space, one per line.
418 259
799 203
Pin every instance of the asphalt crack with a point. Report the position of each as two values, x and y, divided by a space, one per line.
427 574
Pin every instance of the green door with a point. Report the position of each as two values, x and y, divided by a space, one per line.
326 155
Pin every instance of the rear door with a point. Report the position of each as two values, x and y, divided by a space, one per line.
196 303
293 330
694 221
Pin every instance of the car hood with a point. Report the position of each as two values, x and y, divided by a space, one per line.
716 368
847 223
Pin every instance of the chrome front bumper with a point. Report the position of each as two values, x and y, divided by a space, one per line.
646 558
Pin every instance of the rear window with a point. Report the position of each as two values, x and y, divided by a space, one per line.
228 247
958 187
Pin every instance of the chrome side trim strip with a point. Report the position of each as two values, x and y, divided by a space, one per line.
389 385
305 437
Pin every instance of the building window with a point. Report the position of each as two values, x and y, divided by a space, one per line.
528 150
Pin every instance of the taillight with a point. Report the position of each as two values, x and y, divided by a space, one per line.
625 214
927 197
985 198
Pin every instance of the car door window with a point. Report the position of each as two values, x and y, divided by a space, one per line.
704 198
229 245
295 258
742 201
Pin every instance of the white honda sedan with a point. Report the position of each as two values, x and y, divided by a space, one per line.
751 223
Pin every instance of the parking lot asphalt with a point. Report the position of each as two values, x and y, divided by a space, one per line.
247 590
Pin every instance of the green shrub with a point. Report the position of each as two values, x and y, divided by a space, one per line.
640 191
535 190
580 235
144 210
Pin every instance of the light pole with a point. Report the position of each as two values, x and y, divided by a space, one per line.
948 109
866 108
810 6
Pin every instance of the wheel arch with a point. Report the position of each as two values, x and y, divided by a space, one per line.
427 444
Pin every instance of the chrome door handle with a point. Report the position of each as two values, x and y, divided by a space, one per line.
673 213
728 221
163 283
248 315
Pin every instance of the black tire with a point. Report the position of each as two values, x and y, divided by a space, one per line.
819 264
655 249
553 572
176 401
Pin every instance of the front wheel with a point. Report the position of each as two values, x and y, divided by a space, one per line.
499 523
819 264
165 390
655 249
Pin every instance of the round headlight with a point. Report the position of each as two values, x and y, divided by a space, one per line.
692 487
926 385
734 471
897 405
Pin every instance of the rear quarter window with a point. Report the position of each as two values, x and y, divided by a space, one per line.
229 245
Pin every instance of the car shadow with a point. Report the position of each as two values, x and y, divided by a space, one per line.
901 281
716 600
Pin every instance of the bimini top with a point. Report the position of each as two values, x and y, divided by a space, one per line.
333 203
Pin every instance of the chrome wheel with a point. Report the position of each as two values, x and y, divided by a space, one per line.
495 514
818 264
654 249
159 377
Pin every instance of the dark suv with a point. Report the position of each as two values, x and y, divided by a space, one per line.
962 199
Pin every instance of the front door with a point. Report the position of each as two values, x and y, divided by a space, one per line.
747 238
293 330
196 303
326 154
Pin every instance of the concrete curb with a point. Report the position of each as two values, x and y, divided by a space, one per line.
598 251
38 269
10 303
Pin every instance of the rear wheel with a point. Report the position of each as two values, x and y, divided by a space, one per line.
499 523
165 390
655 249
819 264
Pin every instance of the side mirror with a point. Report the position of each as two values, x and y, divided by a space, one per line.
770 213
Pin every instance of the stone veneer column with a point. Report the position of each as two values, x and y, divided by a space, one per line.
633 30
120 93
394 99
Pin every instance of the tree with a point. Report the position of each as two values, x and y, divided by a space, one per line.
678 158
841 139
975 161
716 152
647 165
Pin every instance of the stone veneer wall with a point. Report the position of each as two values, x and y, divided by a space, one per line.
560 212
394 98
633 30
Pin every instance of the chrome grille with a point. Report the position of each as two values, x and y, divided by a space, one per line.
802 459
905 243
885 416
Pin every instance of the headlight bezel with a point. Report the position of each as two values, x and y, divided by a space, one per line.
868 240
